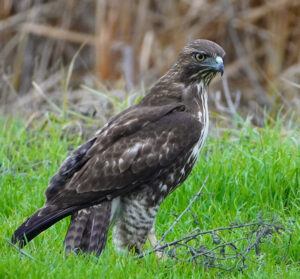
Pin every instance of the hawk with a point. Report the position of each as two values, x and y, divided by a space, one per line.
122 174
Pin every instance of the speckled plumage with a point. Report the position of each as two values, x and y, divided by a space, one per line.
122 175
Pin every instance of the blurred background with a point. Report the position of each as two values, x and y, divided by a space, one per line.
92 58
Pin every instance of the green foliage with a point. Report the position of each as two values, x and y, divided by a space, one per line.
251 171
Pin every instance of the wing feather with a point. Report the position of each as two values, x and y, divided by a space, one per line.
131 158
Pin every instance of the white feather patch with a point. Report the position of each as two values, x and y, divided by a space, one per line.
219 60
204 119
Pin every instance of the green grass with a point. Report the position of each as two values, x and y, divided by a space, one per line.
251 172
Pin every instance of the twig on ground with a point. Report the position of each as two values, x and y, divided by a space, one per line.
22 252
194 234
177 219
225 252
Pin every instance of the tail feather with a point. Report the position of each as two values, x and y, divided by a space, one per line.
88 229
76 229
85 241
40 221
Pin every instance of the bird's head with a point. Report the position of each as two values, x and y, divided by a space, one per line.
199 61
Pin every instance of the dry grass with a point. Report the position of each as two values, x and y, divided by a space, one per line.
129 41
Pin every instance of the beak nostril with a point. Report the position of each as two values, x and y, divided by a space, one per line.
219 60
219 66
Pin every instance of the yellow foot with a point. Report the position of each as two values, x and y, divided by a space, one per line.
153 241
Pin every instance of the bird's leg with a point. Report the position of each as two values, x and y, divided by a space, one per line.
153 241
152 237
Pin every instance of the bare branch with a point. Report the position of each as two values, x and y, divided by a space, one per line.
22 252
178 218
224 252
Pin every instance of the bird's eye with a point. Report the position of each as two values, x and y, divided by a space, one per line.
199 57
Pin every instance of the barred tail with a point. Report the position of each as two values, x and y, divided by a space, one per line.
88 229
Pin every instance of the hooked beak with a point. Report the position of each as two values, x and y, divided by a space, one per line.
218 65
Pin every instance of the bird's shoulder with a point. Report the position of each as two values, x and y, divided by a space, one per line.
133 119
